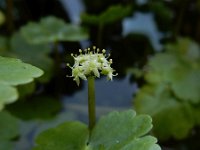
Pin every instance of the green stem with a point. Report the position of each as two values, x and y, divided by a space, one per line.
57 55
57 62
91 102
9 16
99 35
184 5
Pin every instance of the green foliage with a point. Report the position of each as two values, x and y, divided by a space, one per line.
122 130
9 129
52 29
14 72
67 136
166 111
37 55
112 14
172 94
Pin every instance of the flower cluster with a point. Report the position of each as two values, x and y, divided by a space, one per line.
91 63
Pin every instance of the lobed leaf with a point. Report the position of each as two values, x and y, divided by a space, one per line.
14 72
123 130
52 29
166 111
67 136
112 14
117 130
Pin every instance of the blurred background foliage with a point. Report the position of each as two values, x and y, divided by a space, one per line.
153 42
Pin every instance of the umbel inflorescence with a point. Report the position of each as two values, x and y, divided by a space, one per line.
91 62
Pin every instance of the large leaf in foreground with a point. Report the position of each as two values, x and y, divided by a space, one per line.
123 130
52 29
118 130
67 136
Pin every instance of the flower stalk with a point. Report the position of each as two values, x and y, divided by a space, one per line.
91 102
91 63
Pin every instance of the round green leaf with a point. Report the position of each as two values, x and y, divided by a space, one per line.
186 86
15 72
52 29
165 111
179 67
67 136
112 14
159 68
37 55
123 130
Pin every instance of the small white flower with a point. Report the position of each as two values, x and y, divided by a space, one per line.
91 63
77 73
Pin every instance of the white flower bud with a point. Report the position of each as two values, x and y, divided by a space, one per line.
89 63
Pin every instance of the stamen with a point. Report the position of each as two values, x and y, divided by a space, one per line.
69 76
116 74
108 56
103 51
68 65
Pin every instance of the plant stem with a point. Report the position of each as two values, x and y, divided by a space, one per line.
9 16
99 35
57 62
91 102
180 18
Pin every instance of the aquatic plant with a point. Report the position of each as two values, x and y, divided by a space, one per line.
117 130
